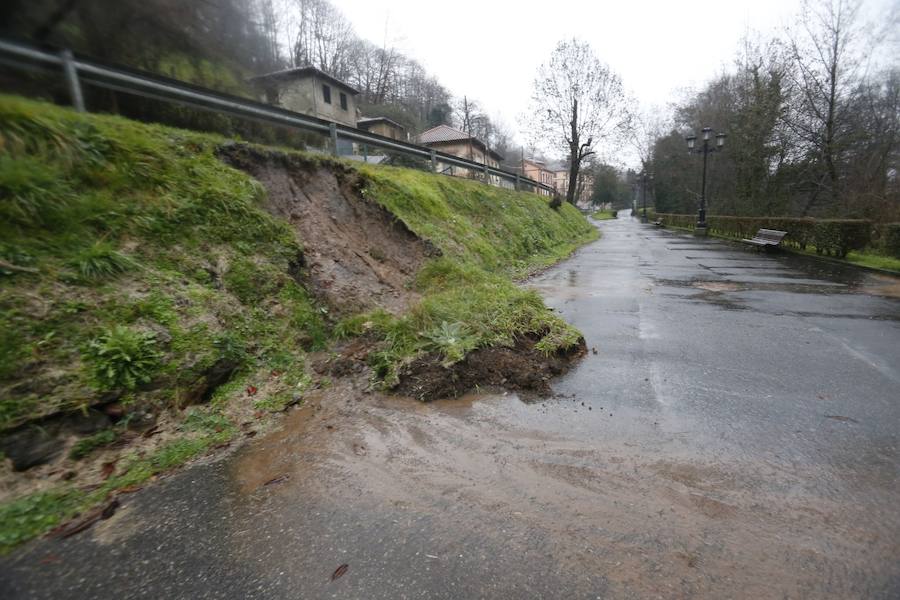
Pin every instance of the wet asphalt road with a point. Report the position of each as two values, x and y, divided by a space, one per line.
734 434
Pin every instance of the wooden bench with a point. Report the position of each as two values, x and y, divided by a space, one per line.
766 238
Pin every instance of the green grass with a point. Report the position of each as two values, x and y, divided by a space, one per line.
154 260
603 215
876 261
488 237
149 260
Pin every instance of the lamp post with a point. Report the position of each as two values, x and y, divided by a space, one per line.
705 150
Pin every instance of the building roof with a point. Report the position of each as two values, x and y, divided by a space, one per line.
308 71
443 134
366 121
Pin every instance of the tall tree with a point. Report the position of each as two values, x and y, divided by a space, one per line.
578 103
826 62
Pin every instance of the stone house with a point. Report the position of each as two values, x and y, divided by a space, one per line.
310 91
458 143
383 126
538 170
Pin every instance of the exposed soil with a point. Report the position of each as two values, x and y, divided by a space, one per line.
358 255
521 367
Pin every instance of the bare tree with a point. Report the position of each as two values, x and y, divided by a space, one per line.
578 104
826 66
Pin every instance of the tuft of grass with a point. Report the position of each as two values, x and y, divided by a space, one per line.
122 358
100 261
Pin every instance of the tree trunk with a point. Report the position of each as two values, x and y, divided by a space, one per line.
574 158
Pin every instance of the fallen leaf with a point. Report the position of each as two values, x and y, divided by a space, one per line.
339 572
130 489
108 469
110 509
279 479
251 390
77 526
152 431
50 558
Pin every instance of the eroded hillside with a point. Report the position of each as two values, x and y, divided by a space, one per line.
161 292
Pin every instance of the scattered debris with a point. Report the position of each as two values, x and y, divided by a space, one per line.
842 418
77 526
251 390
339 572
279 479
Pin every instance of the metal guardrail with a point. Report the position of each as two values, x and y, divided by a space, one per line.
77 69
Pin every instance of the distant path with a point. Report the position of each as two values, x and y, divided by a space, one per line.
734 435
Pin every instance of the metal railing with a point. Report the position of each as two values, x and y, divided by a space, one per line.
77 69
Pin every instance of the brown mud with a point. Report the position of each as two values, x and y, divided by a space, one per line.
358 256
521 368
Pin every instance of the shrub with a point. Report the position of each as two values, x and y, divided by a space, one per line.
889 239
828 236
123 358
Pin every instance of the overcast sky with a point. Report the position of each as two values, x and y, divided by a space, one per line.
490 50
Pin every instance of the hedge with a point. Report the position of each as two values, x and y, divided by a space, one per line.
887 239
834 237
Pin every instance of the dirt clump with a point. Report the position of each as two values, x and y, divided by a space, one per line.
357 255
521 367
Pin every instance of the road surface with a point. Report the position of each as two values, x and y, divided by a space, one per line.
733 434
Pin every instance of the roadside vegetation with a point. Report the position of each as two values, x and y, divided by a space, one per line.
603 215
151 308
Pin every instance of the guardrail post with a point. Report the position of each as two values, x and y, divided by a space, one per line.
486 180
365 153
72 81
433 161
518 183
332 129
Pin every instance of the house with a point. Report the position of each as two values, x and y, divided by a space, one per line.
310 91
585 185
459 143
537 170
383 126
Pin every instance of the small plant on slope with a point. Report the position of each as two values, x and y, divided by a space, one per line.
452 340
123 358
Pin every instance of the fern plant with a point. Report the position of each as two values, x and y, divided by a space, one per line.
123 358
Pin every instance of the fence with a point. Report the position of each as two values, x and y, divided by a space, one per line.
77 70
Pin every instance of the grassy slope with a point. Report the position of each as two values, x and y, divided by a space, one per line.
144 245
604 215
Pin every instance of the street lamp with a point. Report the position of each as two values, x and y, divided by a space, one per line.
705 150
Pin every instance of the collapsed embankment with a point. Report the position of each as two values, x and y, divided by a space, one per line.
162 292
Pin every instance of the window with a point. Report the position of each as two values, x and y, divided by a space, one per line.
343 100
326 93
